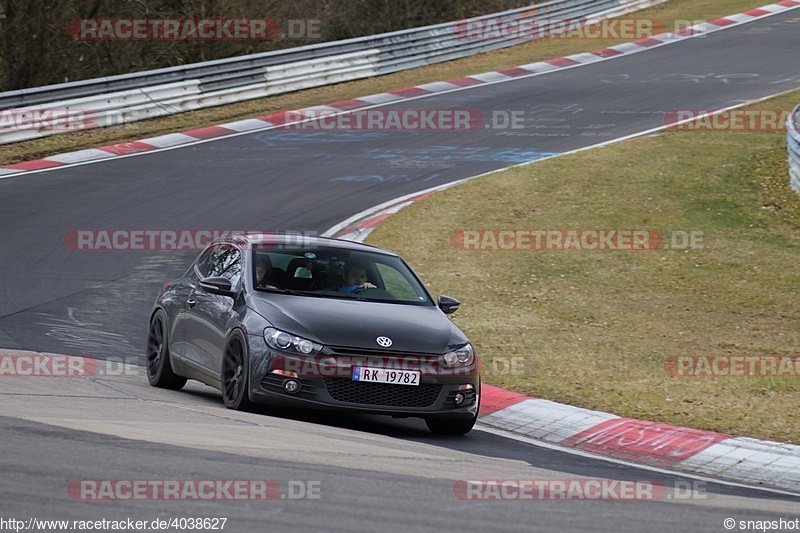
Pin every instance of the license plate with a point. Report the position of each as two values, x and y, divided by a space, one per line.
385 375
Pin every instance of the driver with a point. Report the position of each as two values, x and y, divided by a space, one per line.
355 278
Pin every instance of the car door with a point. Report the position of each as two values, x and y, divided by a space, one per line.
184 291
179 293
208 315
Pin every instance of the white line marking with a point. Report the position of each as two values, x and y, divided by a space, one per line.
706 27
372 210
438 86
246 125
740 17
173 146
540 67
316 110
489 78
630 48
381 98
81 155
772 8
585 58
170 140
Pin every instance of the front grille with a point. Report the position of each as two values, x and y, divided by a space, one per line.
399 360
346 390
344 350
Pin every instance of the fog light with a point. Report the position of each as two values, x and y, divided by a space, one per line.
291 386
459 398
285 373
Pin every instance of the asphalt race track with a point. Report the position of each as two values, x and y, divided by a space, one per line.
374 473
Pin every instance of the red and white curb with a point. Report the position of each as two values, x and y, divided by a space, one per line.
277 120
360 225
706 453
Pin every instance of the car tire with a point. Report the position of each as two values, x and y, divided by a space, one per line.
451 426
234 379
159 365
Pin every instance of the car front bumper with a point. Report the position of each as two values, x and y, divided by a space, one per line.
330 386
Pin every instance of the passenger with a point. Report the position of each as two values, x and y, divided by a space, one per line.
264 275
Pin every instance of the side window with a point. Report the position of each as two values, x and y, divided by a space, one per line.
397 284
222 261
203 262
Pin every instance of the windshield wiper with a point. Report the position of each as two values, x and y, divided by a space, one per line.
298 293
275 289
343 296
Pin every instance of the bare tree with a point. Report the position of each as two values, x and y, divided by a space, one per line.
36 47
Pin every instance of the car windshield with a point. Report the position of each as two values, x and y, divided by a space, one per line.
336 273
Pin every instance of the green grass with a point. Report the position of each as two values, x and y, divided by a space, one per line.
509 57
594 328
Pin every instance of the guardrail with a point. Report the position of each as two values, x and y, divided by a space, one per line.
793 141
136 96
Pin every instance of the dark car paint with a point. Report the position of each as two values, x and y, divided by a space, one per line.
199 333
346 322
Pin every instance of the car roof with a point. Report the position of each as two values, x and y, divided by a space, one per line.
300 239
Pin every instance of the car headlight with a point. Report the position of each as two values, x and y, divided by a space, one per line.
464 356
286 342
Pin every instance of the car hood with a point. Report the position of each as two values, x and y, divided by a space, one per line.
357 324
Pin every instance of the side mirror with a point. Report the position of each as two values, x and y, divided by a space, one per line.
448 305
221 286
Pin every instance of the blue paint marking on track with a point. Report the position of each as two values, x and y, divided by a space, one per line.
480 154
382 178
289 138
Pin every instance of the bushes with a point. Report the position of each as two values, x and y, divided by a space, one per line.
36 49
